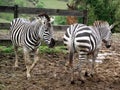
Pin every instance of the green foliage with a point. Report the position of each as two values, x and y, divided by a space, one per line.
40 4
20 2
91 15
4 49
6 16
104 9
107 10
6 2
57 49
60 20
43 49
54 4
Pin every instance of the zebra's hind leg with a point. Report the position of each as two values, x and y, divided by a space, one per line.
93 62
87 62
72 75
82 59
16 56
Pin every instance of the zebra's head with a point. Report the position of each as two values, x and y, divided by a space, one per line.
105 32
46 30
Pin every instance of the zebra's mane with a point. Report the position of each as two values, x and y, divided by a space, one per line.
45 15
101 24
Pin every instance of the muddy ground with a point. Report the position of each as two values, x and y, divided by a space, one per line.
50 73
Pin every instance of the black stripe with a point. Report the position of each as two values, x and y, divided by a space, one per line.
83 51
83 41
81 46
83 34
93 47
67 34
82 29
64 39
75 27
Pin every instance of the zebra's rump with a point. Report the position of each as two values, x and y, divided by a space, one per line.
79 36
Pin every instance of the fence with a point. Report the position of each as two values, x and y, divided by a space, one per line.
27 10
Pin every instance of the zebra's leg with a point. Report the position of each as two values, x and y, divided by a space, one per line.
79 67
71 54
88 67
36 58
16 55
82 57
27 62
94 56
72 74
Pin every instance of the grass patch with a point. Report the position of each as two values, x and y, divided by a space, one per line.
42 49
5 49
54 4
57 49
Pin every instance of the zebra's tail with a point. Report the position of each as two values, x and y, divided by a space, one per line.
72 48
71 53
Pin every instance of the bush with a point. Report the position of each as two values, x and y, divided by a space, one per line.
60 20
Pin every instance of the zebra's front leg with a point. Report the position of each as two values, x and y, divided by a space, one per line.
16 56
27 63
36 58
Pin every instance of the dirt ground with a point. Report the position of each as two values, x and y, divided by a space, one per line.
50 73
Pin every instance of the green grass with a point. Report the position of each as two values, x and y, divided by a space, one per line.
57 49
42 49
4 21
54 4
5 49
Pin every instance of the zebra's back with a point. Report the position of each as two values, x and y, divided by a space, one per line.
17 30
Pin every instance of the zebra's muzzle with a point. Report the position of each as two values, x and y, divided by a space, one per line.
52 43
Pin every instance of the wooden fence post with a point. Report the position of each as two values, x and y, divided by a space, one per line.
85 17
16 11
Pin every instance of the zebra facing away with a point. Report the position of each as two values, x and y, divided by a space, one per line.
28 35
86 41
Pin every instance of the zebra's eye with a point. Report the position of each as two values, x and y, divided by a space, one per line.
44 22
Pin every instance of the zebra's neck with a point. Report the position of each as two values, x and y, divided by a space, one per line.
102 32
34 31
37 25
96 34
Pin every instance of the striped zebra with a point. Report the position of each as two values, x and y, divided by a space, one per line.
86 41
28 35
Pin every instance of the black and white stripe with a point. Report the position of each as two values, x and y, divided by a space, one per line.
87 40
29 34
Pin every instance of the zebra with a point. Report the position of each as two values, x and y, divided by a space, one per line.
28 35
86 41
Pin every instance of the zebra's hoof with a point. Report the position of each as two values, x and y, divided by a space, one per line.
28 76
72 82
82 81
16 68
91 75
86 74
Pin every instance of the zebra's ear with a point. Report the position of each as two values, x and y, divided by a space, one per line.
52 19
111 26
